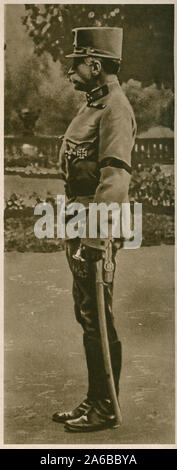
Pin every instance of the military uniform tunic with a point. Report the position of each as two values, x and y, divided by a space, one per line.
96 149
102 133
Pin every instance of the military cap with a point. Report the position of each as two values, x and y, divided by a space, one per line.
97 42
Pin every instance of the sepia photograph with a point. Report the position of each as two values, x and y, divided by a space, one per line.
89 236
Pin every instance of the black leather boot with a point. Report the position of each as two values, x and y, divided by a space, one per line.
98 387
100 416
96 411
62 417
101 413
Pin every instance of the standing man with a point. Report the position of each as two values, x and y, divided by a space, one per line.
96 160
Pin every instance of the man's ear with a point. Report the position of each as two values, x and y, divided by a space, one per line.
96 67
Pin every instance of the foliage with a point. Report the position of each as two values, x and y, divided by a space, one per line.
148 35
39 84
18 202
19 236
148 185
19 233
15 202
152 106
151 187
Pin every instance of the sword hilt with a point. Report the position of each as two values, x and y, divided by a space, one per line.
78 256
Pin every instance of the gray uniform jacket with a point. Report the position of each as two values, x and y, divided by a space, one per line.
95 154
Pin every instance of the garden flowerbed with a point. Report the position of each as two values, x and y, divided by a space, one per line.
148 185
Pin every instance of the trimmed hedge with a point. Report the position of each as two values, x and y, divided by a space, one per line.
19 236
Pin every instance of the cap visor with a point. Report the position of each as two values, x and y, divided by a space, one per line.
105 56
75 55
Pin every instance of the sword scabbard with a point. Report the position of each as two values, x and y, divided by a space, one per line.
108 264
104 339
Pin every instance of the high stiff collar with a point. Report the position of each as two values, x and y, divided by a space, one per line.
98 93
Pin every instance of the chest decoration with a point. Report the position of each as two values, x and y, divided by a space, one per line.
80 153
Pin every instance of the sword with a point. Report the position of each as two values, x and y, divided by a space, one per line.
104 335
108 268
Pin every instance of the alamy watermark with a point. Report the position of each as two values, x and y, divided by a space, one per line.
95 221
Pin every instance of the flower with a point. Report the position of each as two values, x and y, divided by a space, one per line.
113 13
91 14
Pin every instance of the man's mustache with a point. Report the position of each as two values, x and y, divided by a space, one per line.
72 80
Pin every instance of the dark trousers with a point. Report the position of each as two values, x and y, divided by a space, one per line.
86 312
